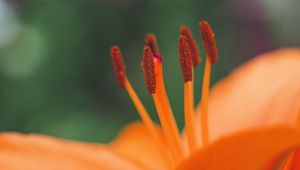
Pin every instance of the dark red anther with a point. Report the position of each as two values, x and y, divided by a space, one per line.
149 69
151 41
196 58
208 38
185 58
118 65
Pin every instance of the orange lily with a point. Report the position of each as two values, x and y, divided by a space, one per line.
249 121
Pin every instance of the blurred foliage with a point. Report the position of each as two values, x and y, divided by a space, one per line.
55 71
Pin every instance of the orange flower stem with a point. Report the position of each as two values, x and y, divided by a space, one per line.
189 115
204 102
146 119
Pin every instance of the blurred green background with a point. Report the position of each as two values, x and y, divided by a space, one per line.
55 72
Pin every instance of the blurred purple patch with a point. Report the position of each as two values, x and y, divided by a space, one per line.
251 23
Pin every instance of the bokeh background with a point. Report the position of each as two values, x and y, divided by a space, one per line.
55 72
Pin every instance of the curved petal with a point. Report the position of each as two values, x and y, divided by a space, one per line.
247 150
36 152
264 91
136 142
294 162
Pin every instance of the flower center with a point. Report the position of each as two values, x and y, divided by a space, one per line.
189 57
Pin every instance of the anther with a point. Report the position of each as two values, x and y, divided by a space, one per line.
208 38
151 41
185 58
149 70
118 65
196 58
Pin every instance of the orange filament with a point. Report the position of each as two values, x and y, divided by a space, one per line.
166 129
204 102
147 121
196 58
141 109
189 116
152 43
118 65
208 38
166 115
185 58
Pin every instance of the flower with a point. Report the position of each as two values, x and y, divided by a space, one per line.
250 120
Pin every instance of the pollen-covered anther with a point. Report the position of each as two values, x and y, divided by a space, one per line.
118 65
151 41
208 38
196 58
149 70
185 58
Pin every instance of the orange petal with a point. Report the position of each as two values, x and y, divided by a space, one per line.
136 142
294 162
36 152
265 91
248 150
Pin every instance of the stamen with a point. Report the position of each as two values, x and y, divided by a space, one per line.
187 71
148 67
152 43
163 107
211 58
118 65
196 58
208 38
